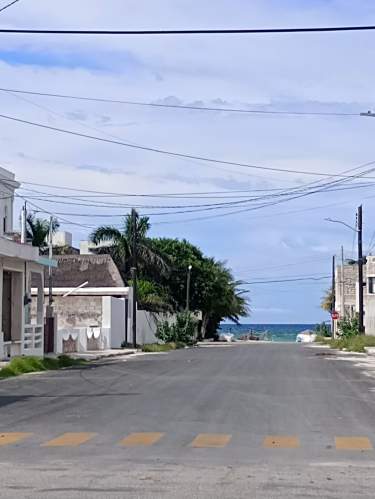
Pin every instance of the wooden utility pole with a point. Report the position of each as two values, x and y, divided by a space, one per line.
333 298
361 328
134 276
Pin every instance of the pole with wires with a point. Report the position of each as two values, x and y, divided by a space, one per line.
361 328
134 275
333 300
23 224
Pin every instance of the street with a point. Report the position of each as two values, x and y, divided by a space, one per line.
259 420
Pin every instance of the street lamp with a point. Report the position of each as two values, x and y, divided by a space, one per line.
358 230
188 288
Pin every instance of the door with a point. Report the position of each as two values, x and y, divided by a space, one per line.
7 305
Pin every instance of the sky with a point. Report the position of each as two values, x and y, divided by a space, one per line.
325 72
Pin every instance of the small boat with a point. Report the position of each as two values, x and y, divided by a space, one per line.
226 337
307 336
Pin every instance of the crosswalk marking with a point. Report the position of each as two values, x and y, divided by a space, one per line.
353 443
70 440
281 442
215 440
13 437
141 439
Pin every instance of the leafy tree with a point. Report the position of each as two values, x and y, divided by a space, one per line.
213 290
120 246
37 230
152 297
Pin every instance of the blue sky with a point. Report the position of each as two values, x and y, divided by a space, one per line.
320 72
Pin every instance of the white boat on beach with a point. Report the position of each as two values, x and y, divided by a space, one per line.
307 336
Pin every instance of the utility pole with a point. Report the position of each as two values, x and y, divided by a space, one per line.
361 329
333 297
23 224
134 275
188 288
342 305
50 256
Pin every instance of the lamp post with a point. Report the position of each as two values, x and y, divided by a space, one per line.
188 288
360 262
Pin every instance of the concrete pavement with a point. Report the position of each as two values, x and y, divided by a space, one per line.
258 420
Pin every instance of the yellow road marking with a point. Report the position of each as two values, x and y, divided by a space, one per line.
69 440
281 442
141 439
353 443
215 440
12 438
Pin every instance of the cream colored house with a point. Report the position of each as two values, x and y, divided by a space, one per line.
19 264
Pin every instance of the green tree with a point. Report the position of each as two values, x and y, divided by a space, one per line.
213 290
38 229
120 246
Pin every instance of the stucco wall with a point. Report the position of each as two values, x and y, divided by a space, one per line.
76 311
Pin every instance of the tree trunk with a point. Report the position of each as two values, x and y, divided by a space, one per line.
205 320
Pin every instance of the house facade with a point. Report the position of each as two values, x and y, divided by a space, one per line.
21 334
346 292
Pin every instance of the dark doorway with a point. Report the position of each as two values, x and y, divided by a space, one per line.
7 305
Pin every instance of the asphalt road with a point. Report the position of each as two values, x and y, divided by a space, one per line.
254 421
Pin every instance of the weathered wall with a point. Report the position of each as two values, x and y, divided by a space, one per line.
76 311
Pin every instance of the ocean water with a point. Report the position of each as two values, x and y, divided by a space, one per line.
278 332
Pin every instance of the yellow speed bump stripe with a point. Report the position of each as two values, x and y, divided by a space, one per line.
141 439
215 440
70 440
281 442
12 438
353 443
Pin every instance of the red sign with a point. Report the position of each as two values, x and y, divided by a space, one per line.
335 315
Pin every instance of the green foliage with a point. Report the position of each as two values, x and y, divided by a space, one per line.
162 271
38 230
120 242
213 289
22 365
156 347
352 343
165 347
327 302
348 327
323 330
183 330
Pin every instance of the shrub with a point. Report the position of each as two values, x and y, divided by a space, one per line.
323 329
182 330
348 327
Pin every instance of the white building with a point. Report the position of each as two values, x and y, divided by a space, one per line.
19 264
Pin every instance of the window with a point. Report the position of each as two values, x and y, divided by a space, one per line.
371 285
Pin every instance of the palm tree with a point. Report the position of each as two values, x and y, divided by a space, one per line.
38 230
121 244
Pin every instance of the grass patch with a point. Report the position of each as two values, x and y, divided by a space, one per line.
352 343
163 347
23 365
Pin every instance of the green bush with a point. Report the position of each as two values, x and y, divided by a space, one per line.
182 330
348 327
352 343
323 329
22 365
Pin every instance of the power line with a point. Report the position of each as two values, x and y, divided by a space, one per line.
177 106
230 31
168 153
288 280
8 5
